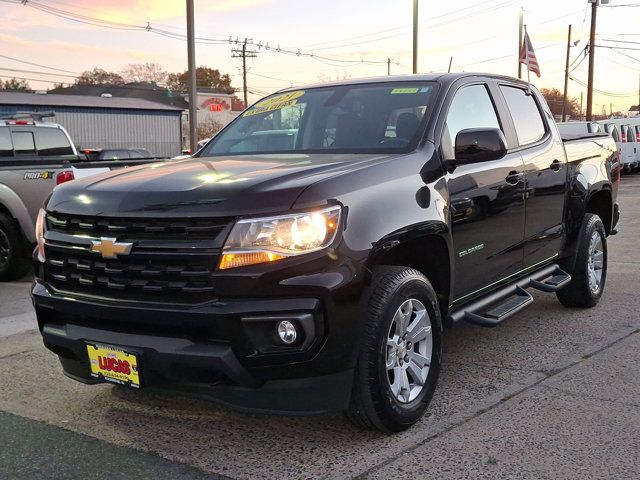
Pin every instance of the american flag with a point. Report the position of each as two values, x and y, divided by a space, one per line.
528 56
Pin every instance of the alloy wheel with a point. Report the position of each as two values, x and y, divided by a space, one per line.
409 349
595 262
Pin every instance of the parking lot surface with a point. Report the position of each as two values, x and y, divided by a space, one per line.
551 393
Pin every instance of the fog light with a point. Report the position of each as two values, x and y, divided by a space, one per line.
287 332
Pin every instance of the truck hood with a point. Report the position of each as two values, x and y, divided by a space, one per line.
207 186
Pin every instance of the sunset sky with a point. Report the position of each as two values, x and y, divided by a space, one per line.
480 36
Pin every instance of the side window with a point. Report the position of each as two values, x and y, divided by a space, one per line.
6 147
471 108
23 142
614 134
52 141
525 114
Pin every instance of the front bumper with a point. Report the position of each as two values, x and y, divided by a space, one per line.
226 350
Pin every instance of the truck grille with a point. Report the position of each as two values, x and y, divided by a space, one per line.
171 260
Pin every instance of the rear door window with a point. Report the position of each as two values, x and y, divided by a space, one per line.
615 134
52 141
525 114
6 146
23 143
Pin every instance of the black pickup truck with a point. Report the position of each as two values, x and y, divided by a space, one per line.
309 256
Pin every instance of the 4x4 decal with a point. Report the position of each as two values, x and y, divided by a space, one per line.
38 175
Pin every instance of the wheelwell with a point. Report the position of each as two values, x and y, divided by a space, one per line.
600 203
7 212
428 255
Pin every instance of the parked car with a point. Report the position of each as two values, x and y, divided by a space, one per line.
317 274
628 145
35 156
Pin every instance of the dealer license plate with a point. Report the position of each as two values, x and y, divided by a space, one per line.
114 364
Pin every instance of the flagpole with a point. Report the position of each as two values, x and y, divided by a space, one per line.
526 57
520 38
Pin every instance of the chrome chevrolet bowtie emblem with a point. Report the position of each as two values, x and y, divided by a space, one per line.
110 248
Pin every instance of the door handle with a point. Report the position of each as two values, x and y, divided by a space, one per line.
513 178
555 165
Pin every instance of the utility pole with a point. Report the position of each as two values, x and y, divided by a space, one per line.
566 77
581 93
191 60
520 39
592 54
244 54
388 66
415 36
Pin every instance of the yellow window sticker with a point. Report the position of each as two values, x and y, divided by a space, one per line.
275 103
396 91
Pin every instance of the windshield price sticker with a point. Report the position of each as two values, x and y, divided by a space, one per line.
275 103
396 91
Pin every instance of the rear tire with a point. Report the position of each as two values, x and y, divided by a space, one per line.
13 265
590 271
396 374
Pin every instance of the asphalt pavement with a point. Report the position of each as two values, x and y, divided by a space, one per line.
552 393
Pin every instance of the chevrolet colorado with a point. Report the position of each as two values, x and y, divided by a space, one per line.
309 256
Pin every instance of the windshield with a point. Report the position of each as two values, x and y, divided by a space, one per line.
368 118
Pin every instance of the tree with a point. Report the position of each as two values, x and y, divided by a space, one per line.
144 73
14 85
205 78
98 76
208 128
324 78
554 97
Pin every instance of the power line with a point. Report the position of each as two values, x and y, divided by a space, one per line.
36 72
626 55
37 64
29 79
430 25
602 92
177 36
505 56
311 45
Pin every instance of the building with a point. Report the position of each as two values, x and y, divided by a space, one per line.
215 110
106 121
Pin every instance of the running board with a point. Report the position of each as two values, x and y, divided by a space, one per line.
494 308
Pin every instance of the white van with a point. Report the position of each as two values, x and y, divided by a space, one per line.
629 147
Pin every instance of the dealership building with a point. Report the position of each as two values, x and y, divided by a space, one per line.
106 121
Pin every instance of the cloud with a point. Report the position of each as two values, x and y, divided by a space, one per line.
142 11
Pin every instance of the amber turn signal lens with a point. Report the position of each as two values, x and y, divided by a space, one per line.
234 260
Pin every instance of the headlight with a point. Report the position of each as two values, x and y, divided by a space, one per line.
261 240
40 234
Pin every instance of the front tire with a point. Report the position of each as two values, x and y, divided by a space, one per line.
13 265
400 352
590 271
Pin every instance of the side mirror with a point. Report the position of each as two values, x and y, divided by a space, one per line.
475 145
